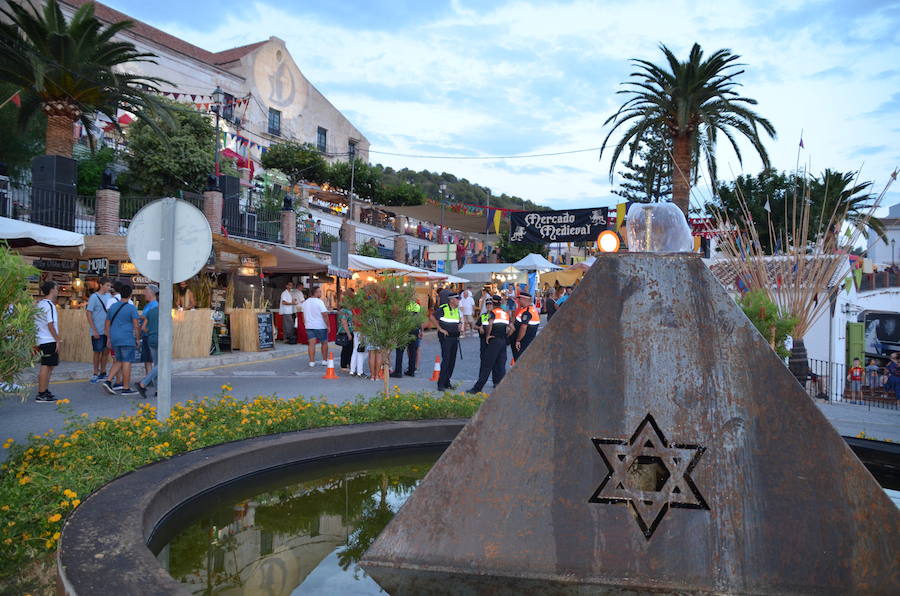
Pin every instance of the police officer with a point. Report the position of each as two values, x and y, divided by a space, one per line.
526 320
447 320
484 321
412 348
493 359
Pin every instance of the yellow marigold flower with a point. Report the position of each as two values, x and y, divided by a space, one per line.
24 480
7 541
4 508
70 493
244 421
76 503
54 518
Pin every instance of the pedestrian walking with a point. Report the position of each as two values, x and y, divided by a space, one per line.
150 329
446 319
47 340
316 322
526 320
412 348
124 336
97 306
287 310
493 358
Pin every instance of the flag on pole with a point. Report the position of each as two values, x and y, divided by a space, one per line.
14 98
801 142
767 207
620 216
497 215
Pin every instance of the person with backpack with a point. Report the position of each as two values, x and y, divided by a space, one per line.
124 336
150 327
97 306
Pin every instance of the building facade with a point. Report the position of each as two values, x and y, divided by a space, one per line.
886 253
267 98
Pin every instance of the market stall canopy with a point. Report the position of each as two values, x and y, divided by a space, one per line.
289 260
535 262
22 233
361 263
439 277
566 277
473 224
480 272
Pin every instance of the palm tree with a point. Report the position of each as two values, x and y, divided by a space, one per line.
71 70
838 197
691 103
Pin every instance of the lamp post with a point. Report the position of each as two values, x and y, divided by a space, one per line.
218 96
443 189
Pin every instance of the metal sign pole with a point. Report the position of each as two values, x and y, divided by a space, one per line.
166 273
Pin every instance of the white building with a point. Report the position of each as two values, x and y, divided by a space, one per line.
267 101
886 253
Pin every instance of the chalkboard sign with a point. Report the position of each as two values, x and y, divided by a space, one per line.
266 330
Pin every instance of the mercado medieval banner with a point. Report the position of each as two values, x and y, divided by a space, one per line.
570 225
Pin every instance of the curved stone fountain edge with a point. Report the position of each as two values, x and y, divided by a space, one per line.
103 548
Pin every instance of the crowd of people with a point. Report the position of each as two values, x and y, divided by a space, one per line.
874 377
119 335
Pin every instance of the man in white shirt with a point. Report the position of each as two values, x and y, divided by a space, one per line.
315 319
467 310
287 310
47 340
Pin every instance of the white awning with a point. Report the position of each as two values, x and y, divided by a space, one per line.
361 263
22 233
535 262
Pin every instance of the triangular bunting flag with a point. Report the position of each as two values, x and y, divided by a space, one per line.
583 471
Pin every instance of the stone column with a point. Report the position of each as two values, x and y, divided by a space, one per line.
400 253
288 226
304 198
400 224
357 211
244 174
348 235
106 212
212 209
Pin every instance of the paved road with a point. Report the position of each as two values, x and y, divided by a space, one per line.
286 376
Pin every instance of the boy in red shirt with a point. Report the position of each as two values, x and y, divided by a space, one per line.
856 377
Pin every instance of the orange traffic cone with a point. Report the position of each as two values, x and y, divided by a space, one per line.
329 374
436 375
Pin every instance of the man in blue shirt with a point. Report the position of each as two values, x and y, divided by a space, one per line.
150 327
124 333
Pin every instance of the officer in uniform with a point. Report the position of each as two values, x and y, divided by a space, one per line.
483 323
493 359
526 320
412 348
447 320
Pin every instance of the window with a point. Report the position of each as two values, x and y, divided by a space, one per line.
351 149
228 107
274 122
321 139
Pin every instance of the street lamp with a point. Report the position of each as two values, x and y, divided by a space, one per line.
218 97
443 189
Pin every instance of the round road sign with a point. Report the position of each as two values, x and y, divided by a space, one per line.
193 240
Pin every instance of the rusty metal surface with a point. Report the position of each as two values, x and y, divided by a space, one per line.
788 508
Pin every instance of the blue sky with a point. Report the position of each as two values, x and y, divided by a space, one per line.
505 78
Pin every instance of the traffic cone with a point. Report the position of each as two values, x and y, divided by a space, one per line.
329 373
436 375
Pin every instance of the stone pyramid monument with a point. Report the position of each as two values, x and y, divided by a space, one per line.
648 440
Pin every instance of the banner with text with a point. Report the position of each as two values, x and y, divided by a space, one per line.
570 225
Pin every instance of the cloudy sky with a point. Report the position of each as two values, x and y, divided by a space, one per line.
468 78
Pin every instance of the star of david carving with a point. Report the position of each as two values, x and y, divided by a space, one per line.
648 458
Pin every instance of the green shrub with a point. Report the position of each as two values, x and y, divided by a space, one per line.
17 323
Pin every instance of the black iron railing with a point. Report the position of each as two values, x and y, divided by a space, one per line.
317 236
828 380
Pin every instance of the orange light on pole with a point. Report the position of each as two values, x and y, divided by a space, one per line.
608 241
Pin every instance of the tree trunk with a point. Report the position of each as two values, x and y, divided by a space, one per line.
59 136
681 172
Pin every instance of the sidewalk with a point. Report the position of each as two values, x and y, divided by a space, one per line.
79 371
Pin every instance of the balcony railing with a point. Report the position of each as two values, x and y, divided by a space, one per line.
879 280
317 236
829 381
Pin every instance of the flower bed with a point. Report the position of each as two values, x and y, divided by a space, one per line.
46 478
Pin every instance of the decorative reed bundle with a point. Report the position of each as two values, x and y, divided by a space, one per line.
804 276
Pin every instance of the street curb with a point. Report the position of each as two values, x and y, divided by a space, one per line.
84 372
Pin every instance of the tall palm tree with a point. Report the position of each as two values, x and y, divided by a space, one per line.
691 103
838 198
71 70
